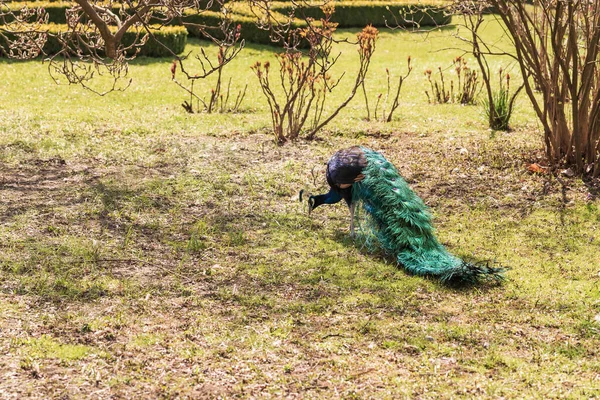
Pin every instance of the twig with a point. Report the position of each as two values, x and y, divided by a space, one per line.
362 328
329 335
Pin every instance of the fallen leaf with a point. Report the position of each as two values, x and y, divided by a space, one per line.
537 169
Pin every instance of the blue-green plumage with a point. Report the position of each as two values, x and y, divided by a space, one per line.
394 219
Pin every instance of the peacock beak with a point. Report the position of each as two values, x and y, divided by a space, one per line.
311 200
311 204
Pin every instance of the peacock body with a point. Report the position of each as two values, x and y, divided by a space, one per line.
395 219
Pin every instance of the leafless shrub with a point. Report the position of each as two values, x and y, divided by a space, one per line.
219 97
439 94
468 82
386 115
305 81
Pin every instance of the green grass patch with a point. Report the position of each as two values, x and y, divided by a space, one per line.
46 347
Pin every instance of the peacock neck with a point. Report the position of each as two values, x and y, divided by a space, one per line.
331 197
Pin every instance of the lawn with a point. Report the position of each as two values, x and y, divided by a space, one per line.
150 253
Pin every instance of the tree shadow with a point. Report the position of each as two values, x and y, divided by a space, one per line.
21 188
60 216
593 187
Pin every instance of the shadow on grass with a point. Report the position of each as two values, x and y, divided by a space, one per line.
19 187
68 232
593 186
95 235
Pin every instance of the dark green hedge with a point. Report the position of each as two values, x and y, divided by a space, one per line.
174 37
347 13
249 31
55 9
361 13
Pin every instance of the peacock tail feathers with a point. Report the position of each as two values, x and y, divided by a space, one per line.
397 221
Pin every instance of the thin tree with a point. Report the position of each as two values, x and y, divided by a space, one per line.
557 45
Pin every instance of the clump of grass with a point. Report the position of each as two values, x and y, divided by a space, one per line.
47 347
499 111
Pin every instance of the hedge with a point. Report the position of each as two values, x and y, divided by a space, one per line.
350 14
249 31
55 9
174 37
347 14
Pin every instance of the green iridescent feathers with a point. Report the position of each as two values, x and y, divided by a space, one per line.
397 221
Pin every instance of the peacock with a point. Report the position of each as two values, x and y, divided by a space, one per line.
395 219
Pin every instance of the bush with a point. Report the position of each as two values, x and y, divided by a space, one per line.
173 37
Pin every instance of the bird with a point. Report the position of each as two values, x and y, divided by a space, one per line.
396 220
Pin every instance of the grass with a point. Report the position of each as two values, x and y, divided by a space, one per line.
146 252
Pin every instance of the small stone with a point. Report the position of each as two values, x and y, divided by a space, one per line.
569 173
411 349
464 152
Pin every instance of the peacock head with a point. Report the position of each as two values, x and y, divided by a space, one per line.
311 200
